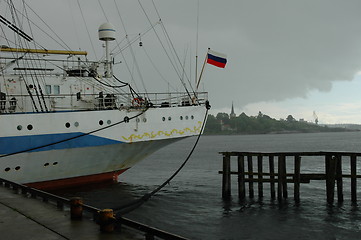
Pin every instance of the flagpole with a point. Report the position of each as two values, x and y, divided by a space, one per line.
200 76
197 44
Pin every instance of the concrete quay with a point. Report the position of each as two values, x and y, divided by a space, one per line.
23 217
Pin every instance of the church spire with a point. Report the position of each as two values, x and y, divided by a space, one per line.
233 115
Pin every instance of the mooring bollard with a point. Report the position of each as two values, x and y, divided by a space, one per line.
106 220
76 208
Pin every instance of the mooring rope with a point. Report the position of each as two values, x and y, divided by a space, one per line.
126 208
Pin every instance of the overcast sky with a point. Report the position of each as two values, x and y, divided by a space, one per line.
284 56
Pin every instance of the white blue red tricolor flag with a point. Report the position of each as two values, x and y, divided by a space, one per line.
216 59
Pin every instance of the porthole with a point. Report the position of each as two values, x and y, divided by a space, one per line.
138 120
19 127
169 118
17 168
181 117
55 163
101 122
7 169
46 164
192 117
163 118
30 127
76 124
67 125
186 117
109 122
144 120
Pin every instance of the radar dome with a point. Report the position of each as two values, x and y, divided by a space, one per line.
106 32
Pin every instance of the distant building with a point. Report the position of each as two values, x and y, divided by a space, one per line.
232 115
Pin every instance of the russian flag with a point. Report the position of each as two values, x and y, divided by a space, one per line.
216 59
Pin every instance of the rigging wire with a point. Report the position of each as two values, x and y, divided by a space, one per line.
128 45
179 61
136 38
174 66
137 203
31 64
35 63
101 6
108 85
135 62
172 46
87 30
155 67
62 44
74 25
16 19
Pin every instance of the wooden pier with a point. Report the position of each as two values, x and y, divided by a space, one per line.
337 166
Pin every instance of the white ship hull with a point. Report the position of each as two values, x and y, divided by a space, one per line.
110 149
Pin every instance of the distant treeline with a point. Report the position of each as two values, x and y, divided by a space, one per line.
261 124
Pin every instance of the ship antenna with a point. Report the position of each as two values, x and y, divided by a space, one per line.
107 33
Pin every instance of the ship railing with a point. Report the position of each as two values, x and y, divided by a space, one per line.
61 202
100 101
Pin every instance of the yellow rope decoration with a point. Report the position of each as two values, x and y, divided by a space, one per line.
152 134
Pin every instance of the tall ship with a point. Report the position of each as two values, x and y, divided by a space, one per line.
66 120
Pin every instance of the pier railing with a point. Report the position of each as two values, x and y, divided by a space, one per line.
150 232
333 173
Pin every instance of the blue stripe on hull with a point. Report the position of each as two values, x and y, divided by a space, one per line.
20 143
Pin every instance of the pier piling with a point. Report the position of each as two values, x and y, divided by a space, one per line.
241 180
297 178
272 176
260 175
339 179
330 165
333 174
353 179
226 180
250 176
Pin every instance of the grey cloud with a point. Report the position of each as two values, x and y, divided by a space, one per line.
277 49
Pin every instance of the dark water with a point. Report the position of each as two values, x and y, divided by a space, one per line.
191 205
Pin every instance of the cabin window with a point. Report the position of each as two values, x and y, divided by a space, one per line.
56 89
48 89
